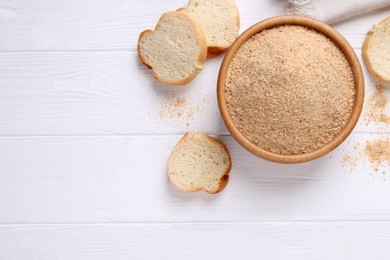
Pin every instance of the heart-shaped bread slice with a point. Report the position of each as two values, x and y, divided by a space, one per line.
220 20
199 162
175 50
376 50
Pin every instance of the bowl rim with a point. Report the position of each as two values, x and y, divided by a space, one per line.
340 42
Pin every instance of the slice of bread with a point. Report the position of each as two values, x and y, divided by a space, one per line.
199 162
220 20
376 50
175 50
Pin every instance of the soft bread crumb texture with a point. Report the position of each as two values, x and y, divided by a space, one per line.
219 18
289 90
199 162
176 49
378 50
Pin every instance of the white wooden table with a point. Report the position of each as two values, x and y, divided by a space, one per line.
86 133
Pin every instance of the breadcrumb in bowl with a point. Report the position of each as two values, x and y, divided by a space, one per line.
290 89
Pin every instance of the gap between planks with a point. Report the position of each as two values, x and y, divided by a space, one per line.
77 51
144 135
323 221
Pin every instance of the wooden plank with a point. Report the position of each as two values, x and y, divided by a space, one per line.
115 25
195 241
108 93
123 179
97 25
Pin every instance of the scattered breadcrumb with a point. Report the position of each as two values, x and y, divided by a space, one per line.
178 108
180 101
375 108
378 152
351 160
289 90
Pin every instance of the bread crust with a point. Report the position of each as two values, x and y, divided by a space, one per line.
139 48
201 57
213 51
224 177
366 46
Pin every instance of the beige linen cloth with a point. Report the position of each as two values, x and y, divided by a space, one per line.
331 11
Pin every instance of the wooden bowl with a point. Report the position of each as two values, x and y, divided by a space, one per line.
343 46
